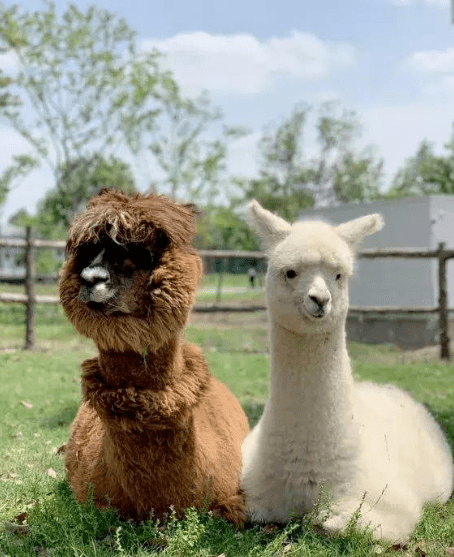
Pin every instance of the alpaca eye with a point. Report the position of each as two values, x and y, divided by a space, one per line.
137 257
338 276
291 274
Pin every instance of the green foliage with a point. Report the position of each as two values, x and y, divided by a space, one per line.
6 98
83 82
222 228
184 143
22 165
79 180
67 66
22 218
90 90
356 178
283 183
339 173
425 173
48 262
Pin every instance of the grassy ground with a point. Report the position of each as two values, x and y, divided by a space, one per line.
40 393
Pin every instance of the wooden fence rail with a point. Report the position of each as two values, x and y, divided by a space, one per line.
441 254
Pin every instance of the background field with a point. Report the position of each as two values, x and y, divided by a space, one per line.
40 393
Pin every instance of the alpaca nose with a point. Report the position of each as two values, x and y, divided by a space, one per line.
96 285
320 299
95 275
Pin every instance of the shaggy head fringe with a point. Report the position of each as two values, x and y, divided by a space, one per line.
136 219
164 295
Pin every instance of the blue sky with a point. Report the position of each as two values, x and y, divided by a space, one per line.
392 61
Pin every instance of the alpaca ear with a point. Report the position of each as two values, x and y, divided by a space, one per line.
271 228
355 230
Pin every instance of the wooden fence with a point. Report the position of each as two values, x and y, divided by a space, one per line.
441 254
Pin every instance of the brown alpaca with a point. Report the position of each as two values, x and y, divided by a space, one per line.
154 429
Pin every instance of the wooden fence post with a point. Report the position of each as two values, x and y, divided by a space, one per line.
220 280
29 291
445 353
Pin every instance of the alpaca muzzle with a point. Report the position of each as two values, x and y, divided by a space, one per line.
317 301
96 285
317 306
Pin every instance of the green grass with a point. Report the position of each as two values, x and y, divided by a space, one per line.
40 393
40 289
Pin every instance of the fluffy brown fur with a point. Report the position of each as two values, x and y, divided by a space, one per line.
154 429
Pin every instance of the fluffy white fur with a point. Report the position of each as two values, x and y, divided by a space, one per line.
368 447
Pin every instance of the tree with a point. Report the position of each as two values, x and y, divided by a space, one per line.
283 182
91 91
7 98
78 183
22 218
425 173
221 227
21 166
82 79
289 181
79 180
193 161
340 173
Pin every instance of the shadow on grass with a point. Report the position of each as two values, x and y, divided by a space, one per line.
62 419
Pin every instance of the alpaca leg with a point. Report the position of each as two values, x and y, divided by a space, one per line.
231 509
391 521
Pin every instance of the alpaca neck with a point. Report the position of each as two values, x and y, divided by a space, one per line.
151 370
311 381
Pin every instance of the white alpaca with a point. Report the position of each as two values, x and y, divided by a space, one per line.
369 447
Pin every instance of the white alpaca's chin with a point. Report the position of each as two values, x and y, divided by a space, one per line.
319 323
301 322
314 314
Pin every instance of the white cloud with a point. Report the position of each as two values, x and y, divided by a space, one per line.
434 61
241 63
433 72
